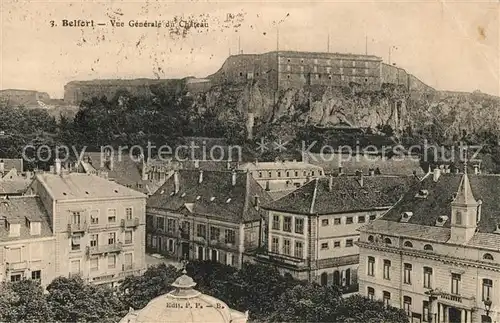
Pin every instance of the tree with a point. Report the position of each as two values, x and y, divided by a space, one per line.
23 301
71 300
137 291
357 308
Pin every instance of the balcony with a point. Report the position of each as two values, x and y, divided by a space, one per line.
75 274
130 223
77 227
186 236
105 249
282 260
456 300
20 265
129 270
222 245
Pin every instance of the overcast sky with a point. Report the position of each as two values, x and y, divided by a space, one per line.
448 45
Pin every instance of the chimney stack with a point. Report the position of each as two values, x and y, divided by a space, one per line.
257 202
371 172
477 170
58 166
256 162
436 174
233 178
341 171
176 182
359 175
2 166
200 179
268 186
330 183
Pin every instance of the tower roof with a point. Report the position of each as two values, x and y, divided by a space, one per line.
464 193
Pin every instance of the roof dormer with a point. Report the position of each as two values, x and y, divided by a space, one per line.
422 194
13 227
406 216
441 220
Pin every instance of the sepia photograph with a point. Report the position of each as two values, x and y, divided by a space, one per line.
250 162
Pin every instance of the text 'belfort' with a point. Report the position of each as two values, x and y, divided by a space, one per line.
136 23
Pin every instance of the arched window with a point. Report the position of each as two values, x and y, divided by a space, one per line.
336 278
487 256
371 292
348 277
370 238
458 217
408 244
428 247
324 279
387 241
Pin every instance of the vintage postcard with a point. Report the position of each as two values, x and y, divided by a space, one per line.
225 161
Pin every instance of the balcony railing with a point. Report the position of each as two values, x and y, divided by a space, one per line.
454 299
77 227
130 223
110 248
20 265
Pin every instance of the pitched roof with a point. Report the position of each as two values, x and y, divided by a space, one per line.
215 196
15 186
84 186
125 171
16 209
347 195
279 165
441 193
464 194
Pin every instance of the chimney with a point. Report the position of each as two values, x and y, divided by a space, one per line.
257 202
228 164
233 178
256 162
52 169
200 179
197 164
268 186
359 175
2 166
58 166
330 183
436 174
176 182
341 171
477 170
371 172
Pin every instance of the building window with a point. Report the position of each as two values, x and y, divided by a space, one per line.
336 244
407 305
361 219
76 217
111 261
373 217
324 222
287 224
286 247
299 225
487 287
111 215
425 311
287 174
276 222
270 174
75 266
94 264
260 174
324 245
94 217
275 242
428 247
75 243
128 237
229 236
427 277
279 174
111 238
487 256
36 274
128 262
386 298
371 266
299 250
407 274
408 244
336 221
387 241
160 223
387 269
371 293
296 174
370 238
349 243
171 225
288 68
455 282
94 238
15 277
349 220
214 233
171 245
128 213
201 230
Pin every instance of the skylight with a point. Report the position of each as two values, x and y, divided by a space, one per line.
183 194
212 198
198 197
228 200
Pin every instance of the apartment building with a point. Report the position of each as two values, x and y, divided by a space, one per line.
435 253
26 240
282 175
207 215
98 225
313 230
